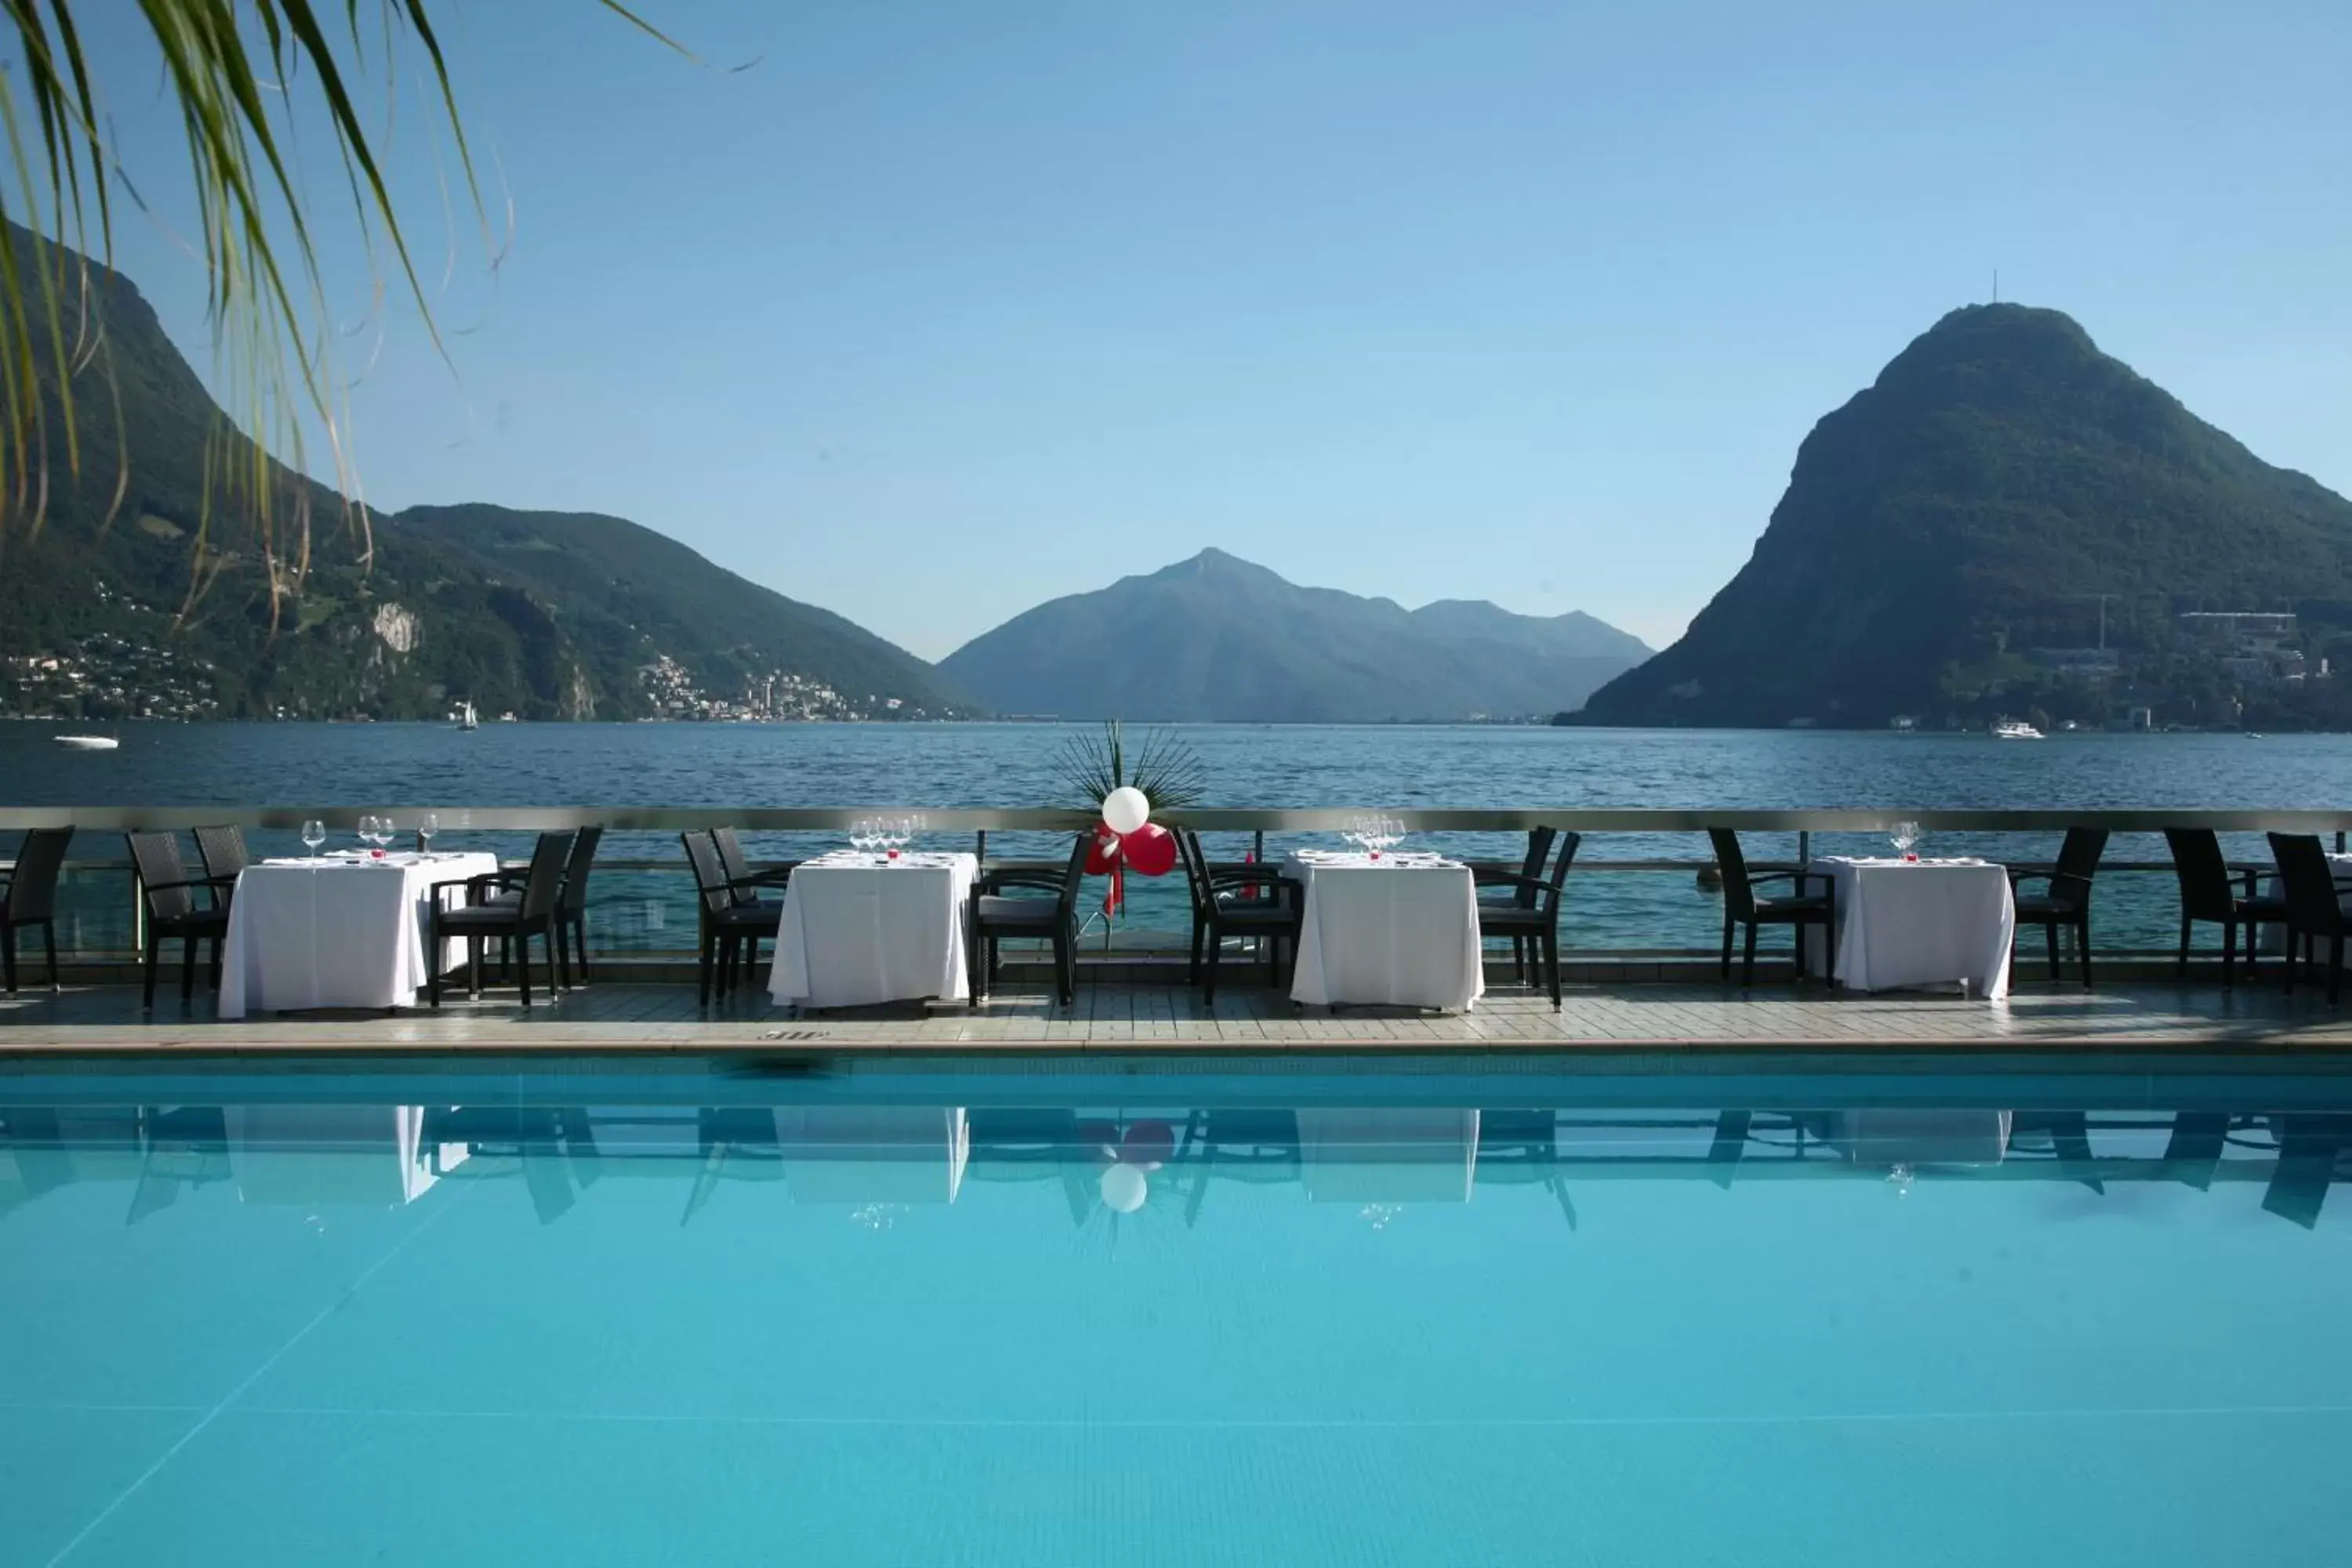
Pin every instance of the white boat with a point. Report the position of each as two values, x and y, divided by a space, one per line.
2015 730
467 719
87 742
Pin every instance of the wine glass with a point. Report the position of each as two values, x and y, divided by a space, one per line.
426 826
1391 832
1905 835
894 834
314 833
386 833
861 836
366 829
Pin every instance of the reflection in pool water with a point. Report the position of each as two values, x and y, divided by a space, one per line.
1206 1317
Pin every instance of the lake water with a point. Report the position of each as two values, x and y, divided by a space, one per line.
942 765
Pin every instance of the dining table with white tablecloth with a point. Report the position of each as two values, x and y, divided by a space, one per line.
1903 923
1400 930
336 931
858 930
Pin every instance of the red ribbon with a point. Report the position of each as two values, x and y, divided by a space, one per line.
1150 850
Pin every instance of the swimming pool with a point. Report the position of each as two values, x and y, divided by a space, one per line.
1186 1312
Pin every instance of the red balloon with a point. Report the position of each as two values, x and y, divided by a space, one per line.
1103 853
1150 850
1147 1143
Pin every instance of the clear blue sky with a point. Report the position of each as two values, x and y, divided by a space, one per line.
948 307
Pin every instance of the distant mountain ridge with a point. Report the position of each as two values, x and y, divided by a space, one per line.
548 615
2002 490
1215 638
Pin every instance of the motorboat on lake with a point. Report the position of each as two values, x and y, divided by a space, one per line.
2015 730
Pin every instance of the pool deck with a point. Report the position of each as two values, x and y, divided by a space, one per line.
2129 1015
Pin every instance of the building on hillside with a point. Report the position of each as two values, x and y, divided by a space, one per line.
2080 663
2243 631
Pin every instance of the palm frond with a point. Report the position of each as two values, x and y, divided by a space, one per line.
1092 764
241 75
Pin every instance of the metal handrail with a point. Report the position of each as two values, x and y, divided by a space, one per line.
1219 819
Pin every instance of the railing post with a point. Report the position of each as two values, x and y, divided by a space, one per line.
979 846
1804 847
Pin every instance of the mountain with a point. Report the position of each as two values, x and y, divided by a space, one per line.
548 615
2003 509
1215 638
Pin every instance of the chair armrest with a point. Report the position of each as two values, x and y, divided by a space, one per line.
182 882
1512 880
2027 874
433 891
775 877
1248 877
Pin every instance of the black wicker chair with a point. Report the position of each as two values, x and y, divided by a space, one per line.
731 927
222 851
169 893
1741 907
1220 911
1518 889
513 922
2067 901
28 896
745 881
1536 924
2209 892
1055 917
2314 905
571 907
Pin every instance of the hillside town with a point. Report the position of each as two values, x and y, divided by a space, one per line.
104 676
776 696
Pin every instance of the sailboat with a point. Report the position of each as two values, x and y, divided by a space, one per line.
87 742
467 718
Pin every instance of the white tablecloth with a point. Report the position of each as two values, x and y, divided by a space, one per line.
1403 932
1389 1154
856 932
1927 923
334 933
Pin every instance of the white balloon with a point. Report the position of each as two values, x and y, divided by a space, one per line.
1126 809
1124 1188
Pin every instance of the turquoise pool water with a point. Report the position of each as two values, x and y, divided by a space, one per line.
1210 1313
